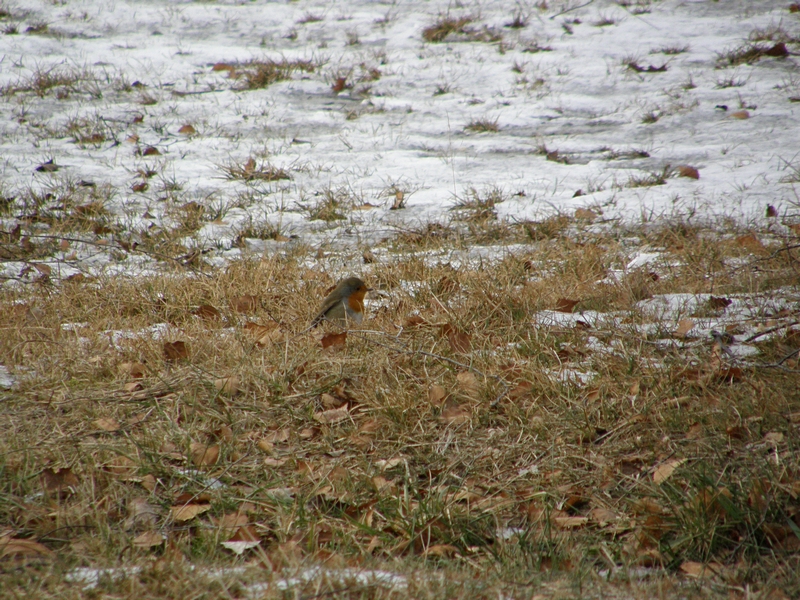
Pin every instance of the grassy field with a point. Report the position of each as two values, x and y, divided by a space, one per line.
510 421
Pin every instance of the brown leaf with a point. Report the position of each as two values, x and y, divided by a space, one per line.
131 369
687 171
204 455
460 342
140 187
18 547
684 327
750 242
187 129
151 151
334 340
149 482
149 539
176 350
245 304
105 424
187 512
699 570
437 394
228 386
468 383
399 200
665 470
207 312
740 114
718 303
332 416
570 522
59 480
566 305
43 269
779 50
441 550
602 516
454 414
584 214
265 335
522 389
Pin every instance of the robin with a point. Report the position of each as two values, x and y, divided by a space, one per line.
344 304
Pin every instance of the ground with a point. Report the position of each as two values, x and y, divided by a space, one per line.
578 373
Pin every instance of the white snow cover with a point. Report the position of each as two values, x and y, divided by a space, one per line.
560 83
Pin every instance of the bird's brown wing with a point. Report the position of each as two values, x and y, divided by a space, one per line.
329 302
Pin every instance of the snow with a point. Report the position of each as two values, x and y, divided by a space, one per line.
398 131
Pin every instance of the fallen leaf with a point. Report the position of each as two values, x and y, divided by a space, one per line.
566 305
399 200
437 394
265 335
228 386
334 340
687 171
59 480
454 414
718 303
238 547
176 350
468 383
460 342
698 570
602 516
18 547
774 437
332 416
140 187
131 369
570 522
779 50
750 242
245 304
151 151
684 327
187 129
149 539
740 114
584 214
442 550
207 312
187 512
106 424
665 470
203 455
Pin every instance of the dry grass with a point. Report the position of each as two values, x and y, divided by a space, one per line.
257 74
449 443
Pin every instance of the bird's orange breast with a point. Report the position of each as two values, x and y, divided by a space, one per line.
356 300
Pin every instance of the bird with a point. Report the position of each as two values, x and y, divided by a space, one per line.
345 304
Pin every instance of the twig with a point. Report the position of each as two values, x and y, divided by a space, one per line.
755 336
565 11
779 364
